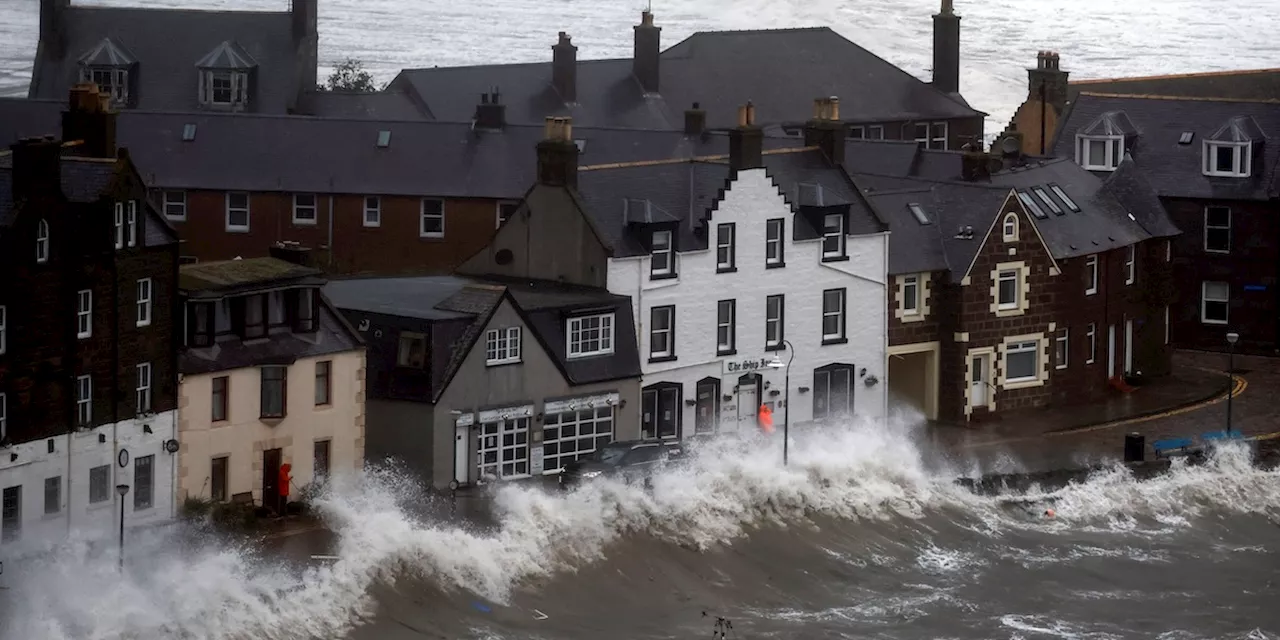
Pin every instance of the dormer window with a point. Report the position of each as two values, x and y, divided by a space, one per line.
107 64
1228 153
1102 145
224 76
662 256
833 237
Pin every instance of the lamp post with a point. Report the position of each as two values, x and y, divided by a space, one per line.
776 363
123 490
1232 338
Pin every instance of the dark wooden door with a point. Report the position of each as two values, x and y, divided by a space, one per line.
271 479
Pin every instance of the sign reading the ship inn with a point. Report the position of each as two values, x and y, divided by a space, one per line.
746 366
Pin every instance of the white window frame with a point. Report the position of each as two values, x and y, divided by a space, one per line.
131 225
773 324
84 313
493 437
1242 159
1208 227
911 295
1113 152
173 200
144 290
1131 264
4 415
1205 300
603 343
726 251
1092 336
1091 267
838 235
497 211
246 210
667 334
662 255
1017 289
119 225
599 418
423 216
4 329
1032 346
142 394
930 139
374 220
875 132
502 346
42 242
84 401
838 314
237 88
117 82
300 210
774 253
726 327
1062 349
1009 230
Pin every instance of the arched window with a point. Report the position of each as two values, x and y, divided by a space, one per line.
1010 227
42 242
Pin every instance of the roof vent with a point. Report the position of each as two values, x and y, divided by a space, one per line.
964 232
188 132
384 139
1186 137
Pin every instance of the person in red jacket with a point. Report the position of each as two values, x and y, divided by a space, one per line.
283 483
766 418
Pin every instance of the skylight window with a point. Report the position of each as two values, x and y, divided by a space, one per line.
188 132
581 144
1031 205
918 213
1186 137
1062 195
1044 197
384 139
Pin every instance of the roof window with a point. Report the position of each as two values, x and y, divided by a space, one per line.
1186 137
224 77
918 212
1062 195
107 64
384 139
188 132
1031 205
1101 145
1048 202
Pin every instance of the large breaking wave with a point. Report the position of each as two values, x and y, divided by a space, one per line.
864 477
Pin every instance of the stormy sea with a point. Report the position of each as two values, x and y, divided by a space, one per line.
861 535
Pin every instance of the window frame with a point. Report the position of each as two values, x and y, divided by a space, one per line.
424 215
1091 270
166 204
1016 278
726 327
1092 335
840 314
4 416
376 210
911 283
1009 227
1209 228
775 252
84 314
42 241
143 289
1062 349
219 488
779 323
666 313
726 247
84 401
268 383
144 482
499 219
406 359
840 252
324 383
1131 265
1048 202
1018 348
667 250
142 390
219 399
99 490
53 489
822 392
1205 301
230 210
1113 152
1066 199
299 208
131 225
1241 159
604 339
320 472
119 225
502 346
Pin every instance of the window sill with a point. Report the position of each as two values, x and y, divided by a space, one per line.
304 223
501 363
720 269
373 225
1014 311
663 276
176 218
1091 292
1060 367
1022 383
727 352
1213 322
775 265
776 347
829 341
271 421
1220 252
237 229
431 236
584 356
843 258
659 359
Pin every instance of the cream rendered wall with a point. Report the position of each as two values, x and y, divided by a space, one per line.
750 201
244 436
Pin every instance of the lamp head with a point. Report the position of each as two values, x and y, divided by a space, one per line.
122 489
1232 337
776 363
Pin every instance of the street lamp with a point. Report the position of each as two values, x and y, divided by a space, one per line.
776 363
1232 338
123 490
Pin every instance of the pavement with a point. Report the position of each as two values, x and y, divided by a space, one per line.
1188 403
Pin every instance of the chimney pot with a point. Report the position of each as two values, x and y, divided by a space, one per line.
751 114
835 108
558 154
746 141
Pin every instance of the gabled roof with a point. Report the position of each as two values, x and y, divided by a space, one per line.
107 53
688 190
1111 123
167 44
915 247
780 70
1251 84
227 55
1174 169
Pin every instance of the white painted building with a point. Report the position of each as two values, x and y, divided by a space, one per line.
804 284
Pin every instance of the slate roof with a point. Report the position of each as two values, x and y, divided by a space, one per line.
168 44
1173 169
1251 84
383 105
224 276
24 118
688 190
333 335
782 71
83 181
917 248
403 297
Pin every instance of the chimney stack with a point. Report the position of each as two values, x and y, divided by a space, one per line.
564 69
306 39
91 121
558 154
491 113
37 168
975 164
305 17
825 130
946 49
645 62
1048 82
53 26
695 121
746 141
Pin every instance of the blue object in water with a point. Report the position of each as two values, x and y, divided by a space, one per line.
482 607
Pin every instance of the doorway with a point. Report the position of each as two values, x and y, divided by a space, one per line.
748 400
707 419
913 380
461 442
660 410
980 380
271 459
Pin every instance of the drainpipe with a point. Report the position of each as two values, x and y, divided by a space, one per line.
331 223
115 372
639 313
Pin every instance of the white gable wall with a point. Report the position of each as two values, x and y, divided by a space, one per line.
751 201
